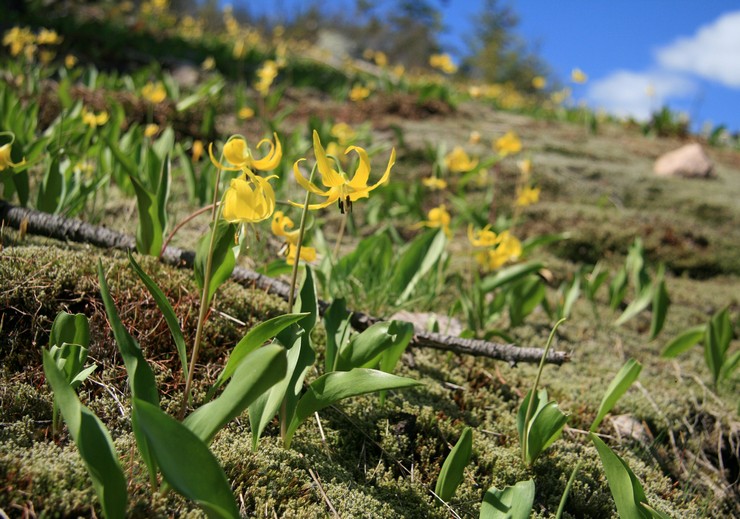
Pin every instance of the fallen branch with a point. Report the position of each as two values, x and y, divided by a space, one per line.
61 228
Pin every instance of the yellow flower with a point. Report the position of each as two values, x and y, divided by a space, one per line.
280 226
578 76
92 120
474 137
482 238
341 189
19 39
443 62
539 82
249 199
560 96
525 167
509 144
359 92
343 133
245 113
434 183
380 58
238 153
458 161
527 196
438 218
5 160
70 61
266 74
197 150
208 64
48 37
154 92
150 130
308 254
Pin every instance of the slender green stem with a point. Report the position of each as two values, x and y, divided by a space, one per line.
301 232
340 234
533 393
568 486
204 299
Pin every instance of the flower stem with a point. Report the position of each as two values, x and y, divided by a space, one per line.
301 232
340 234
204 299
181 224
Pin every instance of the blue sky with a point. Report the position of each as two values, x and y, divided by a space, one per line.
686 52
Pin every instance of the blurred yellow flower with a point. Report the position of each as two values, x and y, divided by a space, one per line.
208 64
438 218
245 113
560 96
92 120
434 183
527 196
509 144
341 189
442 62
497 250
237 151
150 130
380 59
482 237
19 39
70 61
525 167
475 91
197 150
48 37
154 92
343 133
457 161
266 74
359 92
474 137
539 82
578 76
5 160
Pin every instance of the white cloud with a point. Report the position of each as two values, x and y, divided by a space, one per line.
712 53
626 93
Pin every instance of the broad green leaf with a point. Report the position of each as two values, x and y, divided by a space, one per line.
721 321
540 399
618 387
167 312
713 354
640 303
685 341
165 144
453 469
258 371
307 301
635 265
338 385
524 297
186 462
149 232
93 441
337 326
661 302
364 349
730 365
70 328
545 427
123 159
415 262
510 503
571 296
404 332
624 485
255 338
52 189
141 379
223 262
509 275
618 288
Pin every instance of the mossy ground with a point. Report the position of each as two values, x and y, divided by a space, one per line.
382 461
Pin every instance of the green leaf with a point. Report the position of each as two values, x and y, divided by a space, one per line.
122 158
307 301
93 441
337 326
165 144
510 503
404 332
223 262
141 379
730 365
684 341
542 240
52 189
713 354
149 232
453 469
69 328
167 312
364 349
254 338
545 427
624 485
420 256
509 275
258 371
186 462
571 296
618 387
338 385
661 302
639 304
618 288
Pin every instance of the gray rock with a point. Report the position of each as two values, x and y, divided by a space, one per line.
689 161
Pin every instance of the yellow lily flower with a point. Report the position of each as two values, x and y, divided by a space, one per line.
245 113
280 226
443 62
154 92
483 237
509 144
578 76
458 161
343 133
308 254
498 251
527 196
5 160
439 218
359 92
249 199
150 130
341 189
93 120
237 151
197 150
539 82
434 183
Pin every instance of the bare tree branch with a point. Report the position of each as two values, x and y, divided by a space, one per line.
62 228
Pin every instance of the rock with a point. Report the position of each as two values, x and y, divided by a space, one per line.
627 426
422 320
689 161
186 75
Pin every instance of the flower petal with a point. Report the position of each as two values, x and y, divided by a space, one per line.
359 181
329 177
217 163
306 184
387 173
273 157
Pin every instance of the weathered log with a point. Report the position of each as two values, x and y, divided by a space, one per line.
61 228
